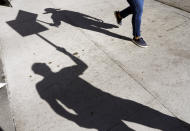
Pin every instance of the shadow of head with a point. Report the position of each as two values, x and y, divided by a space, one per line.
41 69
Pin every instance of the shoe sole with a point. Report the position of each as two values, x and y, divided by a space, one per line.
139 45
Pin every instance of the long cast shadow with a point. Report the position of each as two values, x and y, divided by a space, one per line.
93 107
82 21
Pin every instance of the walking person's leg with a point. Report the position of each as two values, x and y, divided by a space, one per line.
122 14
137 16
136 21
136 8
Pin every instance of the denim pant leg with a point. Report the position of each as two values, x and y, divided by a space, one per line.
124 13
137 15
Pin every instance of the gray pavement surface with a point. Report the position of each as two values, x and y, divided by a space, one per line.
6 121
182 4
84 74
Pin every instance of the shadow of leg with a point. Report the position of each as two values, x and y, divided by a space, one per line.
155 119
106 32
120 127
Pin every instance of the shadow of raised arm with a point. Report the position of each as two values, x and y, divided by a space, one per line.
80 64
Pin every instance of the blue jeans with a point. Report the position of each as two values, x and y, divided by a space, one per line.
135 8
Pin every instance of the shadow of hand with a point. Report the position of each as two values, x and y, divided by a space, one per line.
61 50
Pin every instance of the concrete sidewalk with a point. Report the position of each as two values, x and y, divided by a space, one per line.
87 75
181 4
6 121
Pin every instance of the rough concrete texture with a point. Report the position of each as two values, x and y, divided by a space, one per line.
93 77
182 4
6 121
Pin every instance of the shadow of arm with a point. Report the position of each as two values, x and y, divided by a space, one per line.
80 64
61 111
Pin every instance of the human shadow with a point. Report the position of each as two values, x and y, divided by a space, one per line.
93 107
82 21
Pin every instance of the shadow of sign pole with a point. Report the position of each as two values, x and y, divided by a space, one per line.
26 24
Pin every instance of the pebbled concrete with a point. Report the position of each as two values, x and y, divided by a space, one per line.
113 84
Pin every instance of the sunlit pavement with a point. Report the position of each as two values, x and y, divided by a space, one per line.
68 66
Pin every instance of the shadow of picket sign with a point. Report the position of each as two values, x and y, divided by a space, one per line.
26 24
